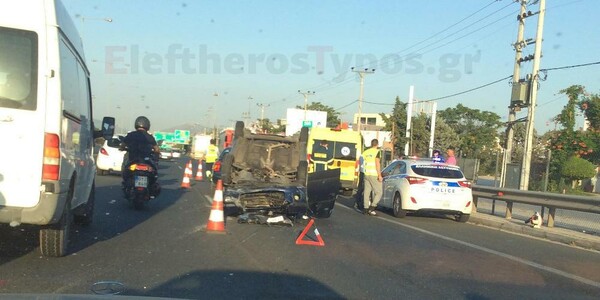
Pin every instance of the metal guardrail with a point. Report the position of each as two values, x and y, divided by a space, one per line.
550 200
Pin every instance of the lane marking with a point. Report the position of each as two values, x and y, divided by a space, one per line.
210 200
494 252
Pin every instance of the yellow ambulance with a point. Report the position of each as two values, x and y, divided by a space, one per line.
345 147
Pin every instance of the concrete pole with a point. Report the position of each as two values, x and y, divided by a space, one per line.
512 113
306 94
409 107
524 185
361 74
432 129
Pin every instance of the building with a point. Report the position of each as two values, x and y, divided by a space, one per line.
369 121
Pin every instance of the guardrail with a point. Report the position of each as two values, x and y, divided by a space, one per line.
550 200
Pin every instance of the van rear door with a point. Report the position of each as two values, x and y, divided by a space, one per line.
21 119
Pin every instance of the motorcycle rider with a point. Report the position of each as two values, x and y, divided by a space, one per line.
140 147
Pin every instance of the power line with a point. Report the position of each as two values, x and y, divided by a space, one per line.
571 66
467 91
340 108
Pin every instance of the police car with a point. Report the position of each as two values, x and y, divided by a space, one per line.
411 185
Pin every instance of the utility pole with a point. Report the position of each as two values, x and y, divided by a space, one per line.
409 107
432 128
306 94
361 74
512 110
524 185
246 115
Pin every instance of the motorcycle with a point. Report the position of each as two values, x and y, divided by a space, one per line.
142 183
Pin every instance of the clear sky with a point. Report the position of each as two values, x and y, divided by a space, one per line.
201 61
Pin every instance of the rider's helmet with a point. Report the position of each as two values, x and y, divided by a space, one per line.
142 122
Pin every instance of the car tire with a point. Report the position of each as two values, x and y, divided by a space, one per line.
303 135
347 193
226 168
239 130
397 207
302 172
86 216
463 218
54 238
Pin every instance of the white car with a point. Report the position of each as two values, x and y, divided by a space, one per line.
419 185
110 158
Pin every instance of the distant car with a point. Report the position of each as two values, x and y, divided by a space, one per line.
411 186
110 158
216 169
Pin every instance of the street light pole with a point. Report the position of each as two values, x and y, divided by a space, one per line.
361 74
306 94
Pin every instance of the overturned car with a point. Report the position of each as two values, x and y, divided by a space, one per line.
267 174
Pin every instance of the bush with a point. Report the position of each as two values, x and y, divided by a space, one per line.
576 168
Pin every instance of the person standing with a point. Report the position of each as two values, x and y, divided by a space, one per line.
450 159
437 157
373 179
359 205
212 154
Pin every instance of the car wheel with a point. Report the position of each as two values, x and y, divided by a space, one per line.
86 216
347 193
463 218
226 169
239 130
397 206
54 238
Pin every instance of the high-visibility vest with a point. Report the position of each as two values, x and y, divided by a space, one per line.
369 157
212 154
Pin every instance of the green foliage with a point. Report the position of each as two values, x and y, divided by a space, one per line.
566 118
398 120
477 129
576 168
591 108
333 117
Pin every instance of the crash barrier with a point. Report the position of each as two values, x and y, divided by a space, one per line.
216 220
550 200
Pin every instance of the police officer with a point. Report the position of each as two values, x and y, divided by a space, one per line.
212 154
373 179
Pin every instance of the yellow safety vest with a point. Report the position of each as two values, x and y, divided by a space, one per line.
369 158
213 154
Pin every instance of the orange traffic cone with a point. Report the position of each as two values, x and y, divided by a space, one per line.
187 174
216 221
199 172
318 242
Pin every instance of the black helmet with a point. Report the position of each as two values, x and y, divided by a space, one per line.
142 122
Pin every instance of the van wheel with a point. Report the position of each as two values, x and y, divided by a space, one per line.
54 238
86 216
397 206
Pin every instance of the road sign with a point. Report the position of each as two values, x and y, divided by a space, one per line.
181 136
307 124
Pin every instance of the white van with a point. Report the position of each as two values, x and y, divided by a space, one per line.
47 168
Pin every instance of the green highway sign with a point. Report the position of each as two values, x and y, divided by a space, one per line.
307 124
181 137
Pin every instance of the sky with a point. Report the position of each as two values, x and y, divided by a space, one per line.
208 62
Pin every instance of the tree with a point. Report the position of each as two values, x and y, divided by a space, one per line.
477 129
397 120
333 117
577 168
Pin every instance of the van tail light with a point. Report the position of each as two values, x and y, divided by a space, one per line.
468 204
217 166
415 180
103 151
308 157
51 165
465 183
356 167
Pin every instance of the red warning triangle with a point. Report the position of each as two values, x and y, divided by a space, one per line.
318 241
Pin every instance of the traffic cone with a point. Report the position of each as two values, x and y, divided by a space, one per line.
187 174
199 172
318 242
216 221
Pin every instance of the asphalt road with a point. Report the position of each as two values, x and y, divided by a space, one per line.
164 251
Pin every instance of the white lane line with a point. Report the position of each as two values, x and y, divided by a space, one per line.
491 251
180 168
210 200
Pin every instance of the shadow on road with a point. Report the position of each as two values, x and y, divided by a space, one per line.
236 284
